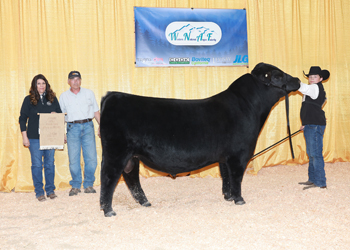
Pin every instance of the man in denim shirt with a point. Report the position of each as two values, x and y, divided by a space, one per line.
81 107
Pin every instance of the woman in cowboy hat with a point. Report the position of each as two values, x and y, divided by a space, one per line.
313 124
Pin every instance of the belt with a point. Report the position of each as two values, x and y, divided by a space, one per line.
81 121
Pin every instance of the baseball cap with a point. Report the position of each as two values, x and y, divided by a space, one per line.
73 74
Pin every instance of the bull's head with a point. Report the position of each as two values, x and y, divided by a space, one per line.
273 76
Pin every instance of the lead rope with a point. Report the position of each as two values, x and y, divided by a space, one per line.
289 136
275 144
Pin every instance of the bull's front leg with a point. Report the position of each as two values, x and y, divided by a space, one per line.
226 182
232 175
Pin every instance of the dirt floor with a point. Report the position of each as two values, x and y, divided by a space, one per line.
189 213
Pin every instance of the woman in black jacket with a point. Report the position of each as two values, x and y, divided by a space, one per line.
41 99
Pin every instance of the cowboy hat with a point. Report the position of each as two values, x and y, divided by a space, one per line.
316 70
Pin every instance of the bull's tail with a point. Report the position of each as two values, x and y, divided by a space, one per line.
104 99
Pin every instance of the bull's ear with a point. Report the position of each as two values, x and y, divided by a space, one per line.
258 69
262 68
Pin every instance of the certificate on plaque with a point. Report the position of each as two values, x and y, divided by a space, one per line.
51 130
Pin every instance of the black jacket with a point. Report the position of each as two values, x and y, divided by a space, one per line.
30 112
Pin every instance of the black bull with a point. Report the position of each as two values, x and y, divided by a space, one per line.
176 136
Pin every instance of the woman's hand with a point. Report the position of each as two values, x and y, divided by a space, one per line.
26 142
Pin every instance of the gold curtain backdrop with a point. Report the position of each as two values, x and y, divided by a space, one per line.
97 38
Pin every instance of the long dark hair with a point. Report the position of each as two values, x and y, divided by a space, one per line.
33 91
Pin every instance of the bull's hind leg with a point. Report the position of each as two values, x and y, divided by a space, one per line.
232 174
111 170
132 179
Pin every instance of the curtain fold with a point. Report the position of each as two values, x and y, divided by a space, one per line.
97 38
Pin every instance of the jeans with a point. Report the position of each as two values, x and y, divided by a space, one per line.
81 136
37 168
314 145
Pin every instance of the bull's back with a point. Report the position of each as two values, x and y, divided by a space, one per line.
182 124
161 115
210 120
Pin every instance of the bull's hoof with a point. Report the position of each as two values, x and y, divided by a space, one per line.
240 202
110 214
228 198
146 204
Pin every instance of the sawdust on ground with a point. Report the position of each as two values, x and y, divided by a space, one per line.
189 213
